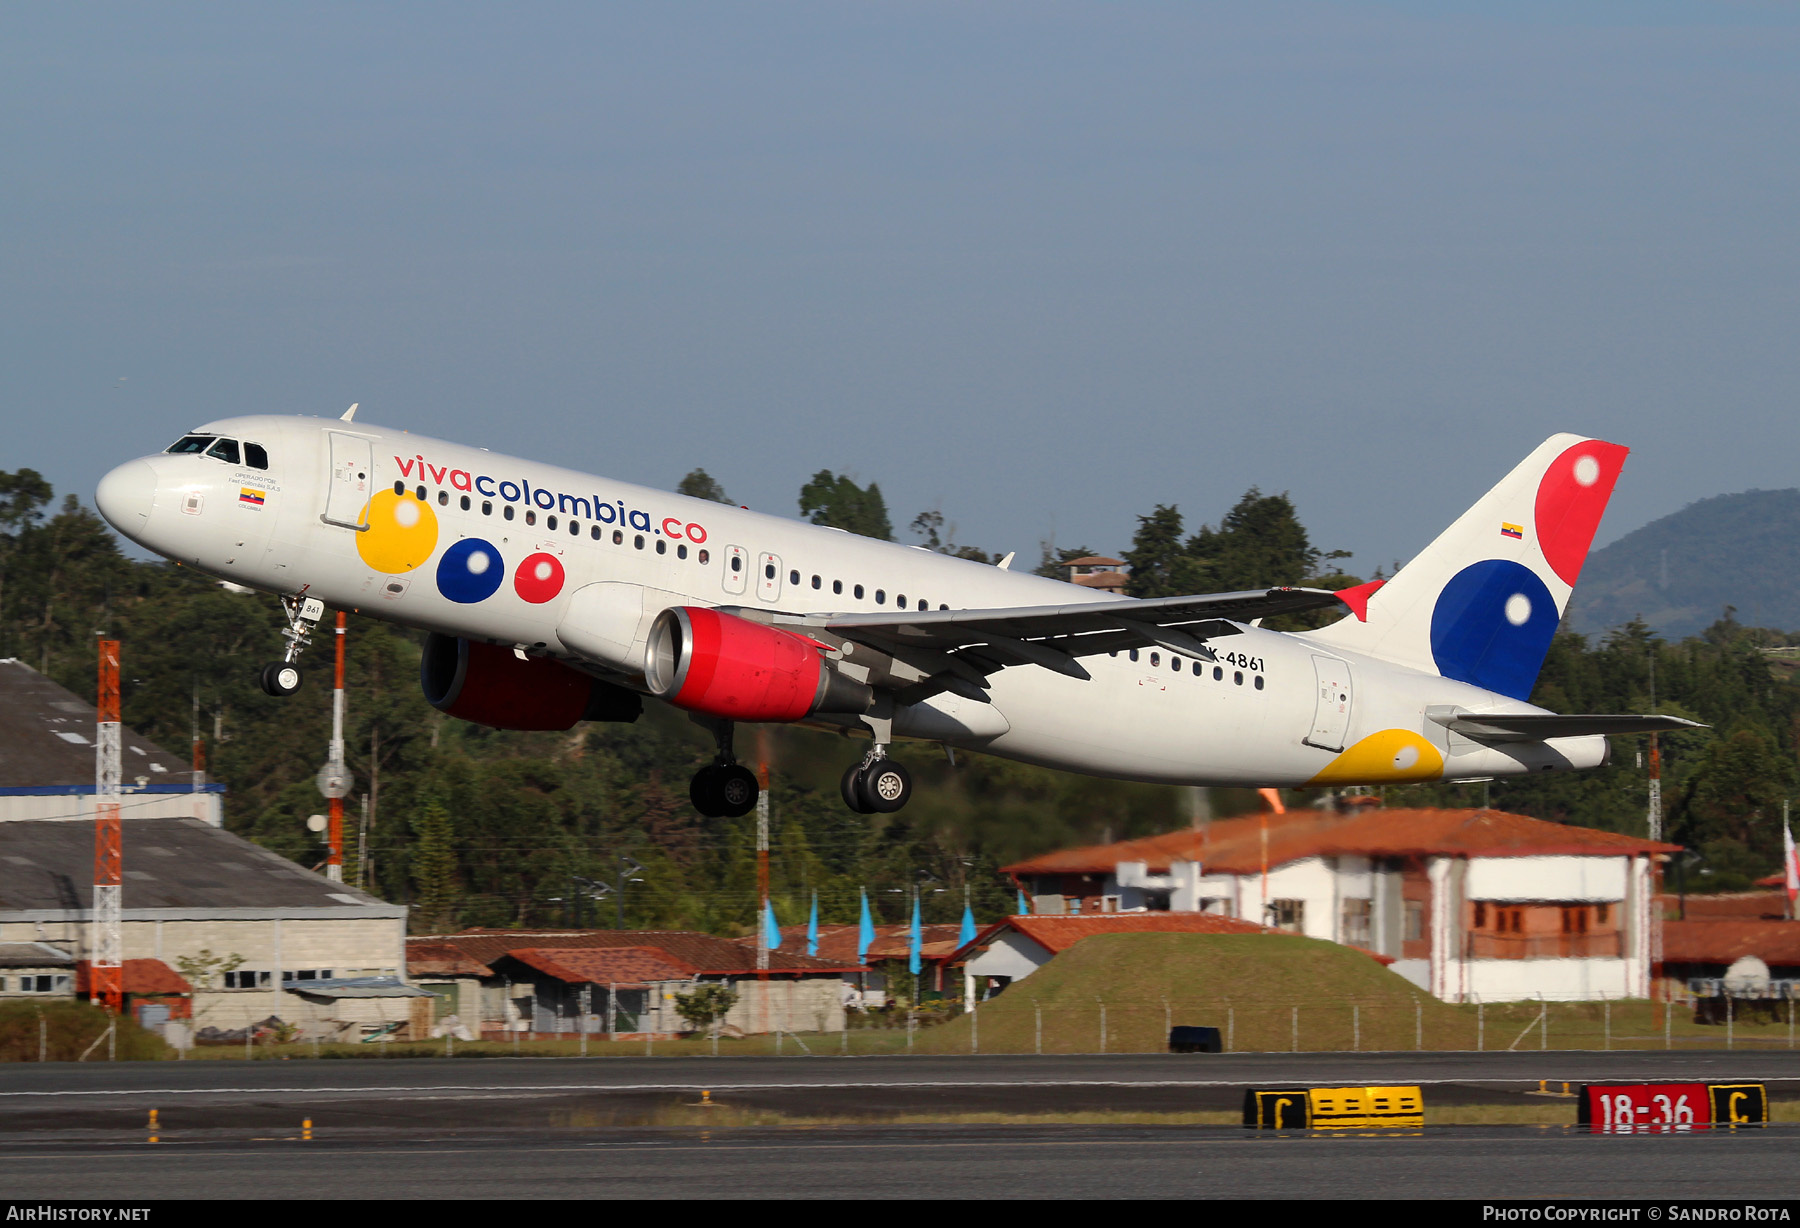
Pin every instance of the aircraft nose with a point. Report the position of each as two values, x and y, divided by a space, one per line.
126 495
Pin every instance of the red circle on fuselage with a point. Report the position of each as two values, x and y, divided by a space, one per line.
539 578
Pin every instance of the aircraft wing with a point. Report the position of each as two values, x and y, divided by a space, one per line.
1536 726
960 647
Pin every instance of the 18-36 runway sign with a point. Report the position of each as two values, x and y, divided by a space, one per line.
1656 1108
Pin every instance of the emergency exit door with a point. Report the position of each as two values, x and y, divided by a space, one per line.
352 471
1331 707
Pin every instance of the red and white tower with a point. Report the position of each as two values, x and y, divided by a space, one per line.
106 986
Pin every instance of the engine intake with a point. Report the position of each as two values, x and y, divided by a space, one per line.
487 684
726 666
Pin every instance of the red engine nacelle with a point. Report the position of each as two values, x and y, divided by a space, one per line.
730 667
487 684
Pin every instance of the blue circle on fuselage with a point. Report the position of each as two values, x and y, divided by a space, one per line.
1492 626
470 571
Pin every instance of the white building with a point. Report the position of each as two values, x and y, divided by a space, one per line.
1471 905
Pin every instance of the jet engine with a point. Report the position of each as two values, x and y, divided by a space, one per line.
489 685
726 666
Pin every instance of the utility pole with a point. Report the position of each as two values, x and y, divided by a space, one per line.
334 777
106 986
199 748
1655 820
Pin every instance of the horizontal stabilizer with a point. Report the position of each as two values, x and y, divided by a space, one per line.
1538 726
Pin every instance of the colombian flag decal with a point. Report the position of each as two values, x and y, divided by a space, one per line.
1512 530
248 497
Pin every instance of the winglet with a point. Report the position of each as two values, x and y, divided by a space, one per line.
1006 562
349 415
1357 598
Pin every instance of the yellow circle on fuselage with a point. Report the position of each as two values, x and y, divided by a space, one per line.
402 533
1391 754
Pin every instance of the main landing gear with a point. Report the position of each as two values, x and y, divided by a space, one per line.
723 788
283 677
877 785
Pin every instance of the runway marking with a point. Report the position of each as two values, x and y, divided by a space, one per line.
721 1086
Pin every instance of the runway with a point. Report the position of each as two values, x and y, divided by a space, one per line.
522 1128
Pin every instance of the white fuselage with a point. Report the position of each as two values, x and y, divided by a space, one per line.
1255 717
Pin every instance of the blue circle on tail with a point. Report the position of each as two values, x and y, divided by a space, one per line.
1492 625
470 571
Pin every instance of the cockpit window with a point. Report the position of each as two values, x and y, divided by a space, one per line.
192 443
255 457
225 450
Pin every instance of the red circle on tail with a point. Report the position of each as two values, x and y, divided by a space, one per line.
1570 501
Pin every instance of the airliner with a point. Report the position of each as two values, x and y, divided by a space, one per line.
550 597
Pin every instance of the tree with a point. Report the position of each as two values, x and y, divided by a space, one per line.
434 868
699 484
1259 543
705 1004
1054 560
833 499
939 536
1159 561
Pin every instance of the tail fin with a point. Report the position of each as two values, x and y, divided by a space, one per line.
1481 603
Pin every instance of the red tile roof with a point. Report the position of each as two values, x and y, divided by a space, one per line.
707 954
1739 905
839 942
1058 934
1235 846
1776 943
427 957
632 966
142 976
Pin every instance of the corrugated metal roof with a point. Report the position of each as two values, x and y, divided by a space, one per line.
707 954
169 863
336 987
47 738
34 955
1235 846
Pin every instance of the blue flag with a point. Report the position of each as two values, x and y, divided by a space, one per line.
771 931
913 941
967 935
865 931
812 928
1024 908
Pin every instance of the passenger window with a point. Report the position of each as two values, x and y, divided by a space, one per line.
857 592
900 601
443 498
662 545
399 487
817 582
420 492
191 444
941 606
1218 673
638 541
507 511
769 571
681 552
487 508
1175 664
549 522
1238 677
737 564
793 577
255 457
1156 658
705 557
574 528
924 604
594 533
530 516
1134 653
225 450
465 503
618 537
1259 687
837 586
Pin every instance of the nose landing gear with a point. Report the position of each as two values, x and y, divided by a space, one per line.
283 677
723 788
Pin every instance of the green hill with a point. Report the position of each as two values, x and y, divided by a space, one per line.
1250 984
1678 573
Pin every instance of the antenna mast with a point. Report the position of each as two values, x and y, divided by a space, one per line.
106 985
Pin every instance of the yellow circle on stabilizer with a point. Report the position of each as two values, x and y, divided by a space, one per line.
1392 754
401 535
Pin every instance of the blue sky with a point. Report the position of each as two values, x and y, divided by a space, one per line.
1038 266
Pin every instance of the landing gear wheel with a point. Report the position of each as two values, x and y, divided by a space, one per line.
851 786
885 785
704 792
737 790
282 678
